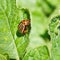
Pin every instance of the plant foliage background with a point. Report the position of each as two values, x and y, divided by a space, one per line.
43 41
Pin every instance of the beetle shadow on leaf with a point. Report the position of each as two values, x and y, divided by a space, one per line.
19 34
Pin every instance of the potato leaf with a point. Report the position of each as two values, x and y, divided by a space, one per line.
12 42
55 37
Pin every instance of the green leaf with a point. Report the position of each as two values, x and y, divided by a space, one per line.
39 53
10 42
54 28
20 40
7 44
2 57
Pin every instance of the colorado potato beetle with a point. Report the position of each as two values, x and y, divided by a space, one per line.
24 26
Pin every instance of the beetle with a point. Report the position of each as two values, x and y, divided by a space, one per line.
24 26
